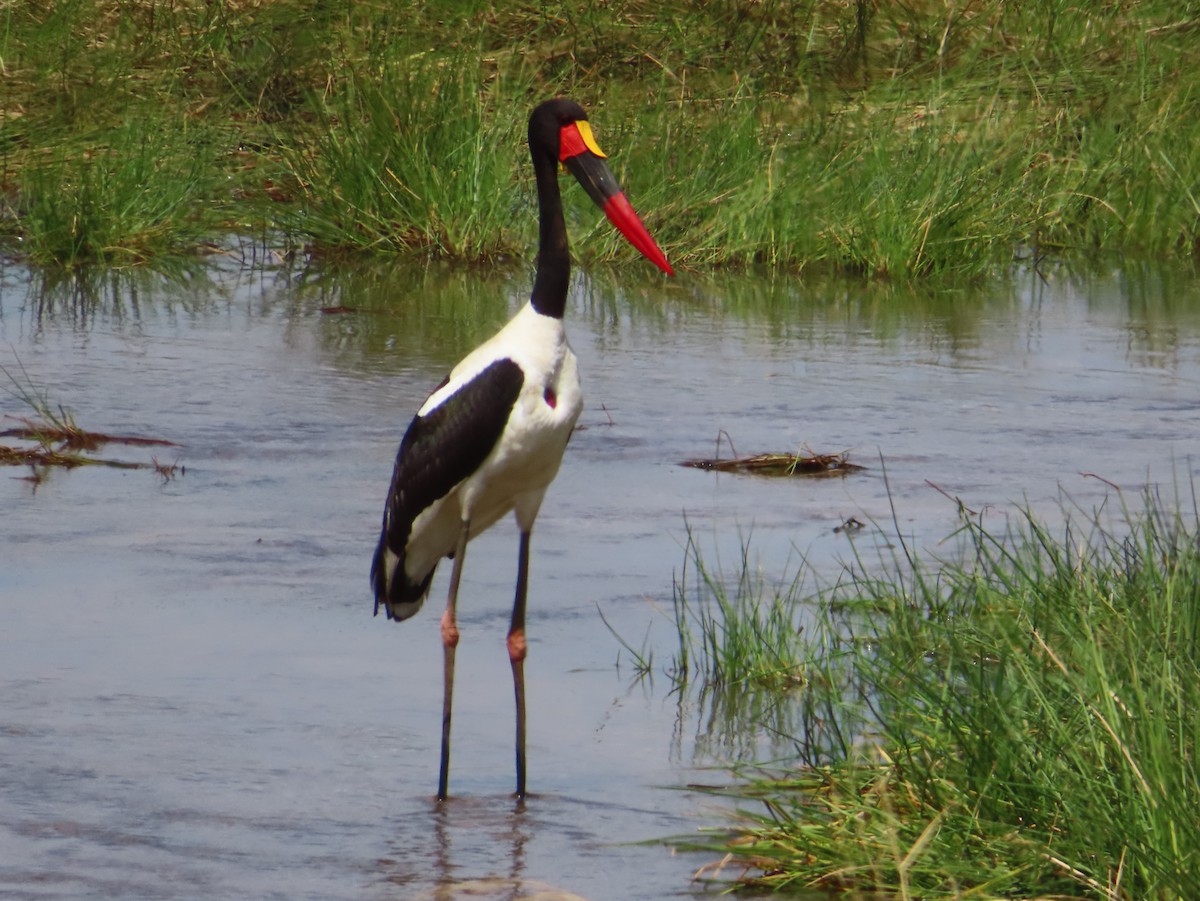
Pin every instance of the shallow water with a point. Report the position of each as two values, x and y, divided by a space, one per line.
196 700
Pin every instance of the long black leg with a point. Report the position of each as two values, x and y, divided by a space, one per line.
516 655
449 644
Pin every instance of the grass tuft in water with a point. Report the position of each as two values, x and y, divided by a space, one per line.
744 655
1020 724
730 635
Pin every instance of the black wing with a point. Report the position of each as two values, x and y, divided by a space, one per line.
438 451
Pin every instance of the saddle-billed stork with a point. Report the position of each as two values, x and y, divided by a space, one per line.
491 436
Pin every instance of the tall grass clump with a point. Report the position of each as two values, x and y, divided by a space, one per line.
145 191
1023 723
743 184
391 167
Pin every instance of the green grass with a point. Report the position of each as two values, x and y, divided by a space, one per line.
387 170
142 195
1022 723
902 140
742 635
740 663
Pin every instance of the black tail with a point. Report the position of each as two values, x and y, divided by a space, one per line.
399 597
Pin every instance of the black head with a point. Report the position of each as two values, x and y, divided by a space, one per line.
546 122
559 132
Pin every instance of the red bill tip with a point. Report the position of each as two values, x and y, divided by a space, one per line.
621 214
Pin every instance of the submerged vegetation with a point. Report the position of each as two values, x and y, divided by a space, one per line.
897 139
1023 723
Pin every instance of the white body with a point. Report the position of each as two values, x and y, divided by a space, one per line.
516 474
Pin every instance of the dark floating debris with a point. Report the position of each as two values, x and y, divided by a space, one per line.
71 436
44 456
60 443
814 465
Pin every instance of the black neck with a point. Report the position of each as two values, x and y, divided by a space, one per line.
549 295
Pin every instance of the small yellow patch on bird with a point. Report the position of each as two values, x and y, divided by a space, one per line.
589 140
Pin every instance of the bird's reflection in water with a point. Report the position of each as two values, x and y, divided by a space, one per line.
466 848
506 831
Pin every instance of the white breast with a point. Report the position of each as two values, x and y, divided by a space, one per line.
527 456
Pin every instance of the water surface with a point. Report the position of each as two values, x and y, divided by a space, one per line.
196 700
